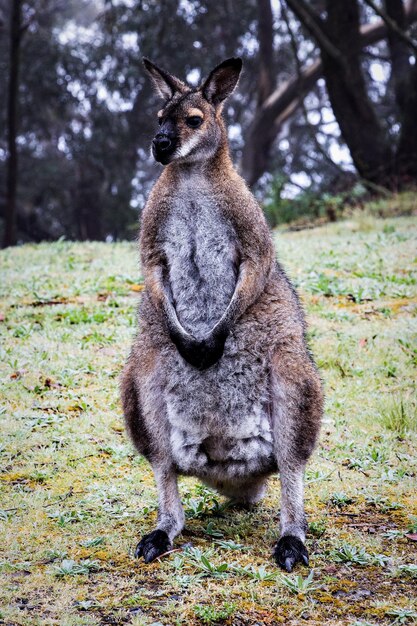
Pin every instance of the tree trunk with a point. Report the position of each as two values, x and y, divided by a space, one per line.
367 141
404 77
12 104
87 205
399 52
406 157
269 119
266 74
339 39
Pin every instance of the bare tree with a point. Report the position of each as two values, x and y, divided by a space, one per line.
359 123
273 112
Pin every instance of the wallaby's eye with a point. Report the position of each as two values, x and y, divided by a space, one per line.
160 120
194 121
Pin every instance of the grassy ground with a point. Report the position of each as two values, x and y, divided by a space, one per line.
75 498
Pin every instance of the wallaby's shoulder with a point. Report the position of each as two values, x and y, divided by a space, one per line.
155 212
244 211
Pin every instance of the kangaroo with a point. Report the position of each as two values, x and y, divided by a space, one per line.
219 383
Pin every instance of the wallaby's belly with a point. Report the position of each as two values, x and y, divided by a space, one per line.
224 455
201 258
220 419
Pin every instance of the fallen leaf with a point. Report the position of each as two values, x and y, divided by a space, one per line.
118 428
74 407
137 287
412 536
48 382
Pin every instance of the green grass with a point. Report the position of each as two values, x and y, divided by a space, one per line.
399 416
75 498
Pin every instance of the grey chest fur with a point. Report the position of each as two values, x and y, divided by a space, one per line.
219 421
199 247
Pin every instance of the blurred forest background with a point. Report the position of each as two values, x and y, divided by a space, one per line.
325 113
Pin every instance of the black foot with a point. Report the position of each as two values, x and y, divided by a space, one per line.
289 551
153 545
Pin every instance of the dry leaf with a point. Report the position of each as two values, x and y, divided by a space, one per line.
412 537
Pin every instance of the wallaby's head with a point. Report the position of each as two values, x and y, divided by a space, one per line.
190 123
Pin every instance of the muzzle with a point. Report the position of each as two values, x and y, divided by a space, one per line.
164 143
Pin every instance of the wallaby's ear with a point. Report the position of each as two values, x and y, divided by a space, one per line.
165 84
221 81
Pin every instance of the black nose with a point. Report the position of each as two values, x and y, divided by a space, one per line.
162 142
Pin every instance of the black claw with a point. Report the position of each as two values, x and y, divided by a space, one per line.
153 545
289 551
289 564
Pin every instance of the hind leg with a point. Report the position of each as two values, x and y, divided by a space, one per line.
150 435
170 515
297 401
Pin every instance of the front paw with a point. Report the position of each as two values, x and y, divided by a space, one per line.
153 545
203 353
191 350
289 551
211 350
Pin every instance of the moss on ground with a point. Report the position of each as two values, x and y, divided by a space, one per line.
75 498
